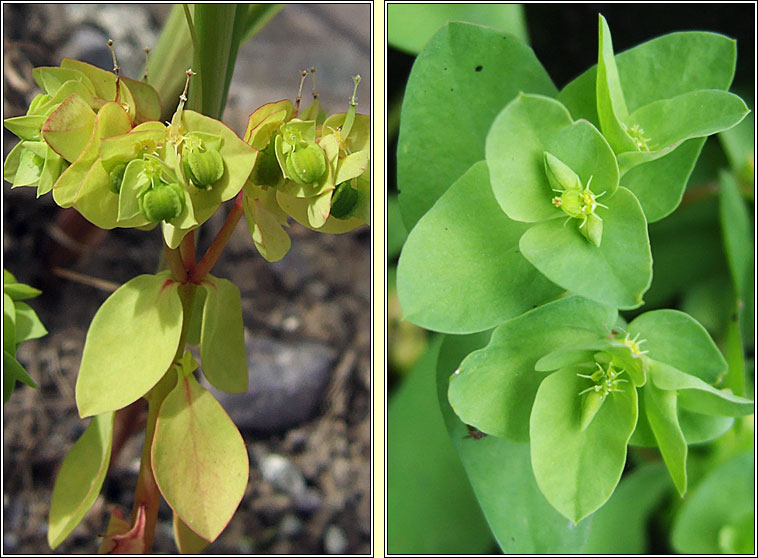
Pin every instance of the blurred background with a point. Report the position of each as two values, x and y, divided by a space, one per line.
429 494
307 419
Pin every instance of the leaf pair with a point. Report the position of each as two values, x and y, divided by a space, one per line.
135 334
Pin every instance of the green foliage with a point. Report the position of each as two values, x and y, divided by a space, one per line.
80 478
20 323
545 240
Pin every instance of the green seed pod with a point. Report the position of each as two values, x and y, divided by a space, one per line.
592 229
571 202
559 175
203 168
306 164
116 175
162 202
344 201
267 171
591 404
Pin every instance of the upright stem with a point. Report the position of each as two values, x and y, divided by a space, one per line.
217 246
175 263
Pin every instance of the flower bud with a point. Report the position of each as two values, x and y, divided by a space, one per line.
162 202
305 165
203 168
344 201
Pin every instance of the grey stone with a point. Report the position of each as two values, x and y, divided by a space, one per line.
286 384
335 541
283 474
308 502
290 526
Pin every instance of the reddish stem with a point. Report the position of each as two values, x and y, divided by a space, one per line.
217 246
187 250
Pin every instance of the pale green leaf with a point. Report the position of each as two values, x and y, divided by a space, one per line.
660 410
199 459
577 470
455 90
495 387
80 478
222 338
28 325
130 344
460 270
617 273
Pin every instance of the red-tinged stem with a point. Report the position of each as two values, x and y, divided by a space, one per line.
187 250
217 246
174 259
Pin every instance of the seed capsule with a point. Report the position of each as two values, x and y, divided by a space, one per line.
162 202
203 168
116 177
306 164
344 201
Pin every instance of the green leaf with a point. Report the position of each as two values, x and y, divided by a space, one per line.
130 344
522 133
148 105
18 291
13 372
455 90
660 409
69 128
722 498
669 122
396 231
495 387
460 270
674 338
26 127
9 324
222 339
616 273
199 459
736 231
410 26
80 478
51 78
632 504
577 470
266 230
28 325
187 541
500 473
611 105
431 508
696 395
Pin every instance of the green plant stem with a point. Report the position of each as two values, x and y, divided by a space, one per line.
217 246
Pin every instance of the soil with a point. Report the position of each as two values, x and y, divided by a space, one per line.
320 293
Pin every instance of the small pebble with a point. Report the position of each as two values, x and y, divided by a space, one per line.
335 541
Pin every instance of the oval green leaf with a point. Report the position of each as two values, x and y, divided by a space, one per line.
577 470
222 337
130 344
494 388
80 478
455 90
199 459
460 270
616 273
